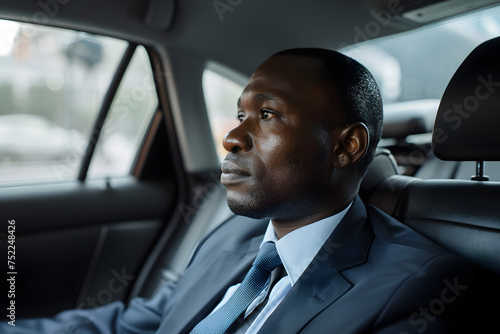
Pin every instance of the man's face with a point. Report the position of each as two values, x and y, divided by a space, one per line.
279 163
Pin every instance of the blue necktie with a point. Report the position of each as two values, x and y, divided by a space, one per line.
253 283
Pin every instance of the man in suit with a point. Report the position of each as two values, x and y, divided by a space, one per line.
310 120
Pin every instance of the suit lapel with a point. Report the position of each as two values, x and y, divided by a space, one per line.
208 287
321 284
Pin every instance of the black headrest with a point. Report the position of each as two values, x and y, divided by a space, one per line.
467 126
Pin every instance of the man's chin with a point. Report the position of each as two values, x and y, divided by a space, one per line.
247 209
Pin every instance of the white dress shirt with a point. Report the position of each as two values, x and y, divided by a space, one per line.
296 250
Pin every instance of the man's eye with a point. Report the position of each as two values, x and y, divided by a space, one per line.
267 114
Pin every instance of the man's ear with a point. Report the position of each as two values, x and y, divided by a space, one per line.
352 144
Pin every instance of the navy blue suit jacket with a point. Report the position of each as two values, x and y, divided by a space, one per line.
373 275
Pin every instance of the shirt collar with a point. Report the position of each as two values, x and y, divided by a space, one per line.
298 248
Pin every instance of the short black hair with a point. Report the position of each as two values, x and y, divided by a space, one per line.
357 89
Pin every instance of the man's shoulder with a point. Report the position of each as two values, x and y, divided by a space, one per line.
401 240
407 258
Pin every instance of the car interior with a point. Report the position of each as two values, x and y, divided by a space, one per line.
141 93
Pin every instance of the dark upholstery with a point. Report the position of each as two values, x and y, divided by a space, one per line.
463 216
468 119
382 166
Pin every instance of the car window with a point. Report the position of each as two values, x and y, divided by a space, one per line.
221 96
52 85
127 121
413 69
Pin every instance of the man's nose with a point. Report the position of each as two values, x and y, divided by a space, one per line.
238 139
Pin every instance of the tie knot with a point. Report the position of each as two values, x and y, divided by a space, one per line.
268 258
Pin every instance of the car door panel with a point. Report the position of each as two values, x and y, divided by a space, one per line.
80 244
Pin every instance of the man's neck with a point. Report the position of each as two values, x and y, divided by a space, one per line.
284 226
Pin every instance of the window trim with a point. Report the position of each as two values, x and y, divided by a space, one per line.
104 110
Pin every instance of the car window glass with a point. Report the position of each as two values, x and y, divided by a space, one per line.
414 68
52 84
221 96
127 121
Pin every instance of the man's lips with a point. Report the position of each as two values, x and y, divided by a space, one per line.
232 173
228 167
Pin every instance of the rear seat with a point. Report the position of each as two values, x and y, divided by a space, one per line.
462 215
